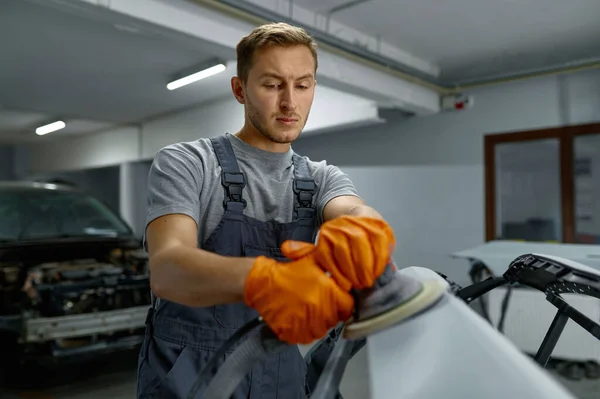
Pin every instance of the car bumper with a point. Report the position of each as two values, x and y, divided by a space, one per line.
43 329
51 328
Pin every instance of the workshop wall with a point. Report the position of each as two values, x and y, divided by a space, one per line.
79 152
426 174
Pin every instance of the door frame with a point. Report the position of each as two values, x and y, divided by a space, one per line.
565 136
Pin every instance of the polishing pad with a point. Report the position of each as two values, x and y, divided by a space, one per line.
429 294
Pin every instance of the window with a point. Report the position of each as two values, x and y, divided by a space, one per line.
543 185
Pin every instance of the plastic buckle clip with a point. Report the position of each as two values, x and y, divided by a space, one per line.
304 189
304 185
237 178
233 182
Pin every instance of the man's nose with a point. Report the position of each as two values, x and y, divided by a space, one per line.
288 100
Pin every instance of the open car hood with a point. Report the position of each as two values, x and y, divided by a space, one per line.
64 249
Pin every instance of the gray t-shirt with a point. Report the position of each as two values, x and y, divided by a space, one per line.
185 178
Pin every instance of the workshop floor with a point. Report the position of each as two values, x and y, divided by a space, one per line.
115 378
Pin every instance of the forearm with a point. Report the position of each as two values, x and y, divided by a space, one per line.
364 210
195 277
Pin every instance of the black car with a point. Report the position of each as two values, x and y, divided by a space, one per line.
73 276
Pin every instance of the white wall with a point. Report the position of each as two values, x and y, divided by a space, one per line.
426 175
79 152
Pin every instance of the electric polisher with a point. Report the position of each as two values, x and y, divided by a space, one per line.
394 297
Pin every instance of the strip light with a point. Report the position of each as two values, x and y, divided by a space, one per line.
176 84
52 127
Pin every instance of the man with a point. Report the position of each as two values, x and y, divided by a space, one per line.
231 225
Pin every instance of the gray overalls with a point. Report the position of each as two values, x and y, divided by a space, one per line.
180 339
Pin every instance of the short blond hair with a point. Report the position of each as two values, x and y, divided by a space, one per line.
271 34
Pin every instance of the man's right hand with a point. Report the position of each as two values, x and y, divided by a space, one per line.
297 300
354 250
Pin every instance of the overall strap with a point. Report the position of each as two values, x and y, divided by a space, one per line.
232 179
305 189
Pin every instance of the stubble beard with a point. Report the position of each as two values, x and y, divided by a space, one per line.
254 118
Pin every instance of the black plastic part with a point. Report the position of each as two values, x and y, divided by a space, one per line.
477 290
551 338
504 308
233 183
477 271
564 313
305 189
539 279
585 322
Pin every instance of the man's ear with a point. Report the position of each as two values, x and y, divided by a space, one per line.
237 88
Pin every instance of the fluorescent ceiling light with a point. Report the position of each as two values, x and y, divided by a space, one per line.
52 127
196 76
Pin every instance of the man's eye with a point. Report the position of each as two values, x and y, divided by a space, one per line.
270 86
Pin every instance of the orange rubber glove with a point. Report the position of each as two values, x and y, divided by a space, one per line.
354 250
297 300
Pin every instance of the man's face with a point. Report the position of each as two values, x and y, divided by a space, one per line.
279 92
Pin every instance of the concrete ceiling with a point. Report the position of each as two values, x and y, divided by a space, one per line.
96 68
92 68
473 39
